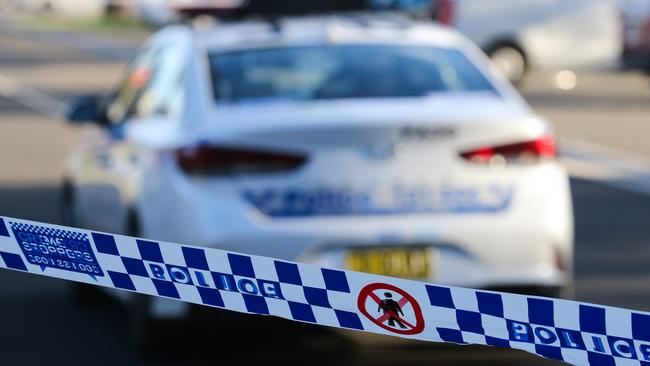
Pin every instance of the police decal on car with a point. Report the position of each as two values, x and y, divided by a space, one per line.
399 199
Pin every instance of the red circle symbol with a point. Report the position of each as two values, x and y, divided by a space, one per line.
389 317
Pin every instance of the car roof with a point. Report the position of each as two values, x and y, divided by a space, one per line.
342 28
325 29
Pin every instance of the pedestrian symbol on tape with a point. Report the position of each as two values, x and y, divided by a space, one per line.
397 311
392 309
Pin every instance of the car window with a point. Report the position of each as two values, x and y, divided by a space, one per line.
153 85
163 93
342 72
136 76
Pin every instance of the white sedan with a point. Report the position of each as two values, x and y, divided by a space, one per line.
382 145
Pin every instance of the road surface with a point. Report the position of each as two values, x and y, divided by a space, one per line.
41 324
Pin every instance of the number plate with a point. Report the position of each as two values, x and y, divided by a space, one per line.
403 262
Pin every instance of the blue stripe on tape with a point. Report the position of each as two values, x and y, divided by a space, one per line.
121 281
490 304
211 297
195 258
150 251
105 244
540 311
641 327
13 261
241 265
335 280
577 333
592 319
3 228
348 319
257 305
134 267
288 273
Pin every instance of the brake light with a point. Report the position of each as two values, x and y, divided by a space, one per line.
214 160
543 147
445 12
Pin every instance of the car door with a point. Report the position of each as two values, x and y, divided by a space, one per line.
483 21
151 94
593 27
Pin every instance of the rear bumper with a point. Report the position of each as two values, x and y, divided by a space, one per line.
479 258
637 59
528 243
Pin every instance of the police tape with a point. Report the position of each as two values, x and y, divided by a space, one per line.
574 332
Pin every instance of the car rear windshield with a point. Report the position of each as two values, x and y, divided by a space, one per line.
342 72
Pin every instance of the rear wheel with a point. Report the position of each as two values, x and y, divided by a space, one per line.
144 330
511 61
567 292
82 293
66 212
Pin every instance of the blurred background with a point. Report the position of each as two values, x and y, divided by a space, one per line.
581 66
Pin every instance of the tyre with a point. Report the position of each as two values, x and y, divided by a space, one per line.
81 293
84 294
144 331
66 212
511 61
566 292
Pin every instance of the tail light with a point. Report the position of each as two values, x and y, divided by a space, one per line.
214 160
444 13
543 147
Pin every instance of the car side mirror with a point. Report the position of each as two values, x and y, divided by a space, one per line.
86 109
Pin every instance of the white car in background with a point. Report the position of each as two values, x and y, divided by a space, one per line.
546 34
373 143
523 34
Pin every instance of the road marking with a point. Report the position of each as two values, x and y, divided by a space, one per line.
605 164
31 98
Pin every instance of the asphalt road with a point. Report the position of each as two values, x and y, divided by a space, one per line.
41 324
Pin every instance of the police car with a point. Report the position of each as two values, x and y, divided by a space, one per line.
371 142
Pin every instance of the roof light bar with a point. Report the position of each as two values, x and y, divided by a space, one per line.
235 9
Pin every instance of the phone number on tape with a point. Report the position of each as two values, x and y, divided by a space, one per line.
61 249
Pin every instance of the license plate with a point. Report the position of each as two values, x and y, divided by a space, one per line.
391 261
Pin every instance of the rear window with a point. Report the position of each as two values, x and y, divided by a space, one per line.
342 72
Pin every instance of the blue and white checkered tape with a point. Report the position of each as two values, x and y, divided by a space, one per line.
574 332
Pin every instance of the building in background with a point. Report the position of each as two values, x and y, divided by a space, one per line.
71 8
